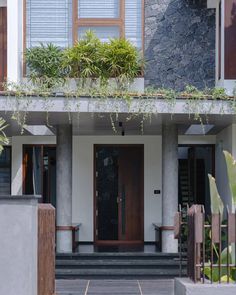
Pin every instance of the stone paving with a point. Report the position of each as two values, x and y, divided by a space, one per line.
115 287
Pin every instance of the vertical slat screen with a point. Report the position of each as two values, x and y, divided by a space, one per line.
48 21
133 22
98 8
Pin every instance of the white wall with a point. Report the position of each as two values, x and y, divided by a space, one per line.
82 190
83 176
14 39
83 180
224 141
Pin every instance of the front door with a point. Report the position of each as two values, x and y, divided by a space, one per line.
119 194
3 45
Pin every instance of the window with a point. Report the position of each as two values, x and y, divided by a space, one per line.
5 171
48 21
62 22
110 19
39 172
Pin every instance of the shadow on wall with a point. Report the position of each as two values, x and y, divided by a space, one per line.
179 44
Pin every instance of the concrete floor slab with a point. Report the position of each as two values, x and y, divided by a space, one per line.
114 287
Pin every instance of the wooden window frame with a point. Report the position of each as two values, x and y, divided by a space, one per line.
103 22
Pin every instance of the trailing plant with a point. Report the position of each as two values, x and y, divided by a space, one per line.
45 62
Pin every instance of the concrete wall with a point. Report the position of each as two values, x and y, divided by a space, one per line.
82 182
18 244
179 44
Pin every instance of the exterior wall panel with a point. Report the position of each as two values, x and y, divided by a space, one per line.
179 44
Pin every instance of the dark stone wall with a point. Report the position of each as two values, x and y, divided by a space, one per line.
179 44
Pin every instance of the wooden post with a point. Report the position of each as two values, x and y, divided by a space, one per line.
46 249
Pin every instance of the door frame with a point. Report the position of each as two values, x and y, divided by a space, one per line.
117 242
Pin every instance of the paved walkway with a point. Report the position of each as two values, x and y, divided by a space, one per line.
115 287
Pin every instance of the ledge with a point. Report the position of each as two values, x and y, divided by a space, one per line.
184 286
154 105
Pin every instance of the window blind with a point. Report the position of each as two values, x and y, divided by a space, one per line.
49 21
103 33
133 22
98 8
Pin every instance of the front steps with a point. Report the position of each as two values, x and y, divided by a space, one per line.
117 266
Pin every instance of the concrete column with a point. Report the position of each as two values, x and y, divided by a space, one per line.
14 40
64 188
169 185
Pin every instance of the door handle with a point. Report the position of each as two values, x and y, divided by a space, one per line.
119 200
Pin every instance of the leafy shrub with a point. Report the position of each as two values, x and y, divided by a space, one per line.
84 58
45 61
121 59
88 58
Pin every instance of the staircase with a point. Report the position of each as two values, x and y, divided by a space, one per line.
117 265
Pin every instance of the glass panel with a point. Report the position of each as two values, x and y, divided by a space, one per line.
195 163
107 193
133 22
5 171
103 33
49 21
230 39
33 169
49 175
98 8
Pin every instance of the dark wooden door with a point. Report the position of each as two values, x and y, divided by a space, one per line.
3 45
119 194
130 193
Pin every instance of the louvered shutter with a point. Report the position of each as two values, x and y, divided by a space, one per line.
133 22
98 8
49 21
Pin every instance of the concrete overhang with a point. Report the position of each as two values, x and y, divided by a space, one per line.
91 116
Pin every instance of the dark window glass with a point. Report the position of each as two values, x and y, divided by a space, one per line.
5 171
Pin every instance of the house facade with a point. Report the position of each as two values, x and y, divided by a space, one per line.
117 184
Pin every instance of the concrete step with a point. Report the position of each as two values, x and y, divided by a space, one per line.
117 264
116 273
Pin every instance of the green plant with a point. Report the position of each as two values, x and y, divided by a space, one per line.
217 205
3 138
84 59
45 62
121 60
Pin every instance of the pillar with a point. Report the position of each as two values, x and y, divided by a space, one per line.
14 40
64 188
169 186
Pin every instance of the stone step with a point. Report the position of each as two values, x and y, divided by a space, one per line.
117 264
118 255
116 273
